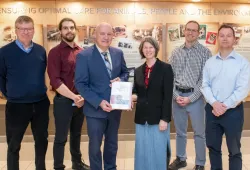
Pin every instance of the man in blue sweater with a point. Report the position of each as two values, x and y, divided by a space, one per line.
22 82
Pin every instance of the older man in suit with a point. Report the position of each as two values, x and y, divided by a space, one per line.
96 68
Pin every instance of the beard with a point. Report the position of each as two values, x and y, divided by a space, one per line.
69 39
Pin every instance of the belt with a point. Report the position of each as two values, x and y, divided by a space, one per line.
184 90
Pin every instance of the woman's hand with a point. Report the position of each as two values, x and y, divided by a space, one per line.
134 99
132 105
163 125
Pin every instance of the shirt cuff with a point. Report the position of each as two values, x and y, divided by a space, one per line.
194 97
56 84
229 105
97 104
175 95
211 101
167 119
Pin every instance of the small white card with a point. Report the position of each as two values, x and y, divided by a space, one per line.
121 93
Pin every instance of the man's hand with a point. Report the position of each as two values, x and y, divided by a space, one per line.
218 108
76 98
105 106
215 113
114 80
185 101
182 101
179 99
163 125
80 103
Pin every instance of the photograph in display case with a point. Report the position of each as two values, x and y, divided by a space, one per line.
125 44
182 30
120 31
154 31
91 34
53 33
157 33
246 29
82 37
211 38
174 33
53 36
203 32
86 41
9 34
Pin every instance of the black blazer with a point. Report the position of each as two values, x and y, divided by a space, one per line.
155 102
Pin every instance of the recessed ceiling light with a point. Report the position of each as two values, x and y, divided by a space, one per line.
195 0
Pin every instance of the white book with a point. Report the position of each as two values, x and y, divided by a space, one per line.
121 93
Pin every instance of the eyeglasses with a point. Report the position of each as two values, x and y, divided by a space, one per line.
25 29
191 30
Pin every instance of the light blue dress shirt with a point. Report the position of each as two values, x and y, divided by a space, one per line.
226 80
20 45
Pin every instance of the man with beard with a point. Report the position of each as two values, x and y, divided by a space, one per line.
67 102
187 62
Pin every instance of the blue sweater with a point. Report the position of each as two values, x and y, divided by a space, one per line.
22 75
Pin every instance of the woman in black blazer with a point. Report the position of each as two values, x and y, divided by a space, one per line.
152 92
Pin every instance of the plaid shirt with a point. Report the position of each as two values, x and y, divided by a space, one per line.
187 64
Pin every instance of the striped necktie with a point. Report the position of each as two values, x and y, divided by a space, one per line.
107 62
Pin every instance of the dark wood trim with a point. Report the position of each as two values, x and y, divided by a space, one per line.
127 125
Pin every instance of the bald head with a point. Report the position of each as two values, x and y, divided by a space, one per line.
104 35
103 24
